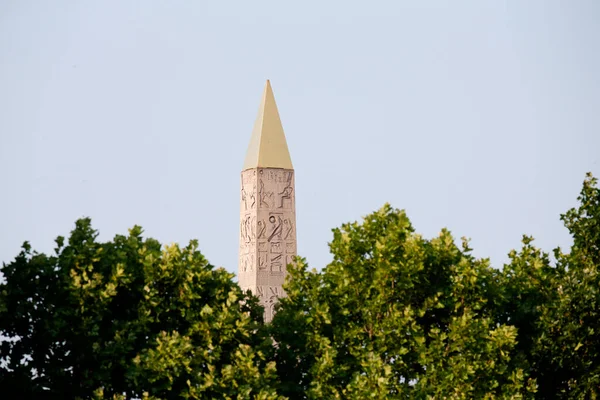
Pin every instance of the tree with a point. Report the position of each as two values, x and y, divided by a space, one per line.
394 316
573 326
129 318
557 309
528 290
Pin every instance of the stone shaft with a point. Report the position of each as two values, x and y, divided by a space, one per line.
267 233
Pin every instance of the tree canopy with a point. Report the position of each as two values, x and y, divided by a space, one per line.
128 317
394 315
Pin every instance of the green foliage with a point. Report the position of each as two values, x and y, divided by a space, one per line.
572 325
528 289
556 309
394 316
129 318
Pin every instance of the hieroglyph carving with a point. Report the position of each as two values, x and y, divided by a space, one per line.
268 296
267 232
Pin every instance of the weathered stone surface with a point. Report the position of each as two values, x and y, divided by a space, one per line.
267 232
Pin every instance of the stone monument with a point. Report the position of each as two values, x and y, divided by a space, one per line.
267 208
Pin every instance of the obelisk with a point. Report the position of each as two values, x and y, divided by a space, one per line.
267 209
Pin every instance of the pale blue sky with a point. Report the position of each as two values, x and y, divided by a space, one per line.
479 116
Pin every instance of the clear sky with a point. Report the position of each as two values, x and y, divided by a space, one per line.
479 116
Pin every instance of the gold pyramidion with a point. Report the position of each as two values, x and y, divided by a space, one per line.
268 147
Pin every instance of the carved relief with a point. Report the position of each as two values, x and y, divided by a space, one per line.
247 229
265 197
274 294
262 260
262 228
276 247
276 257
267 232
244 198
276 227
273 175
288 229
253 196
247 176
248 263
276 262
285 197
268 298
